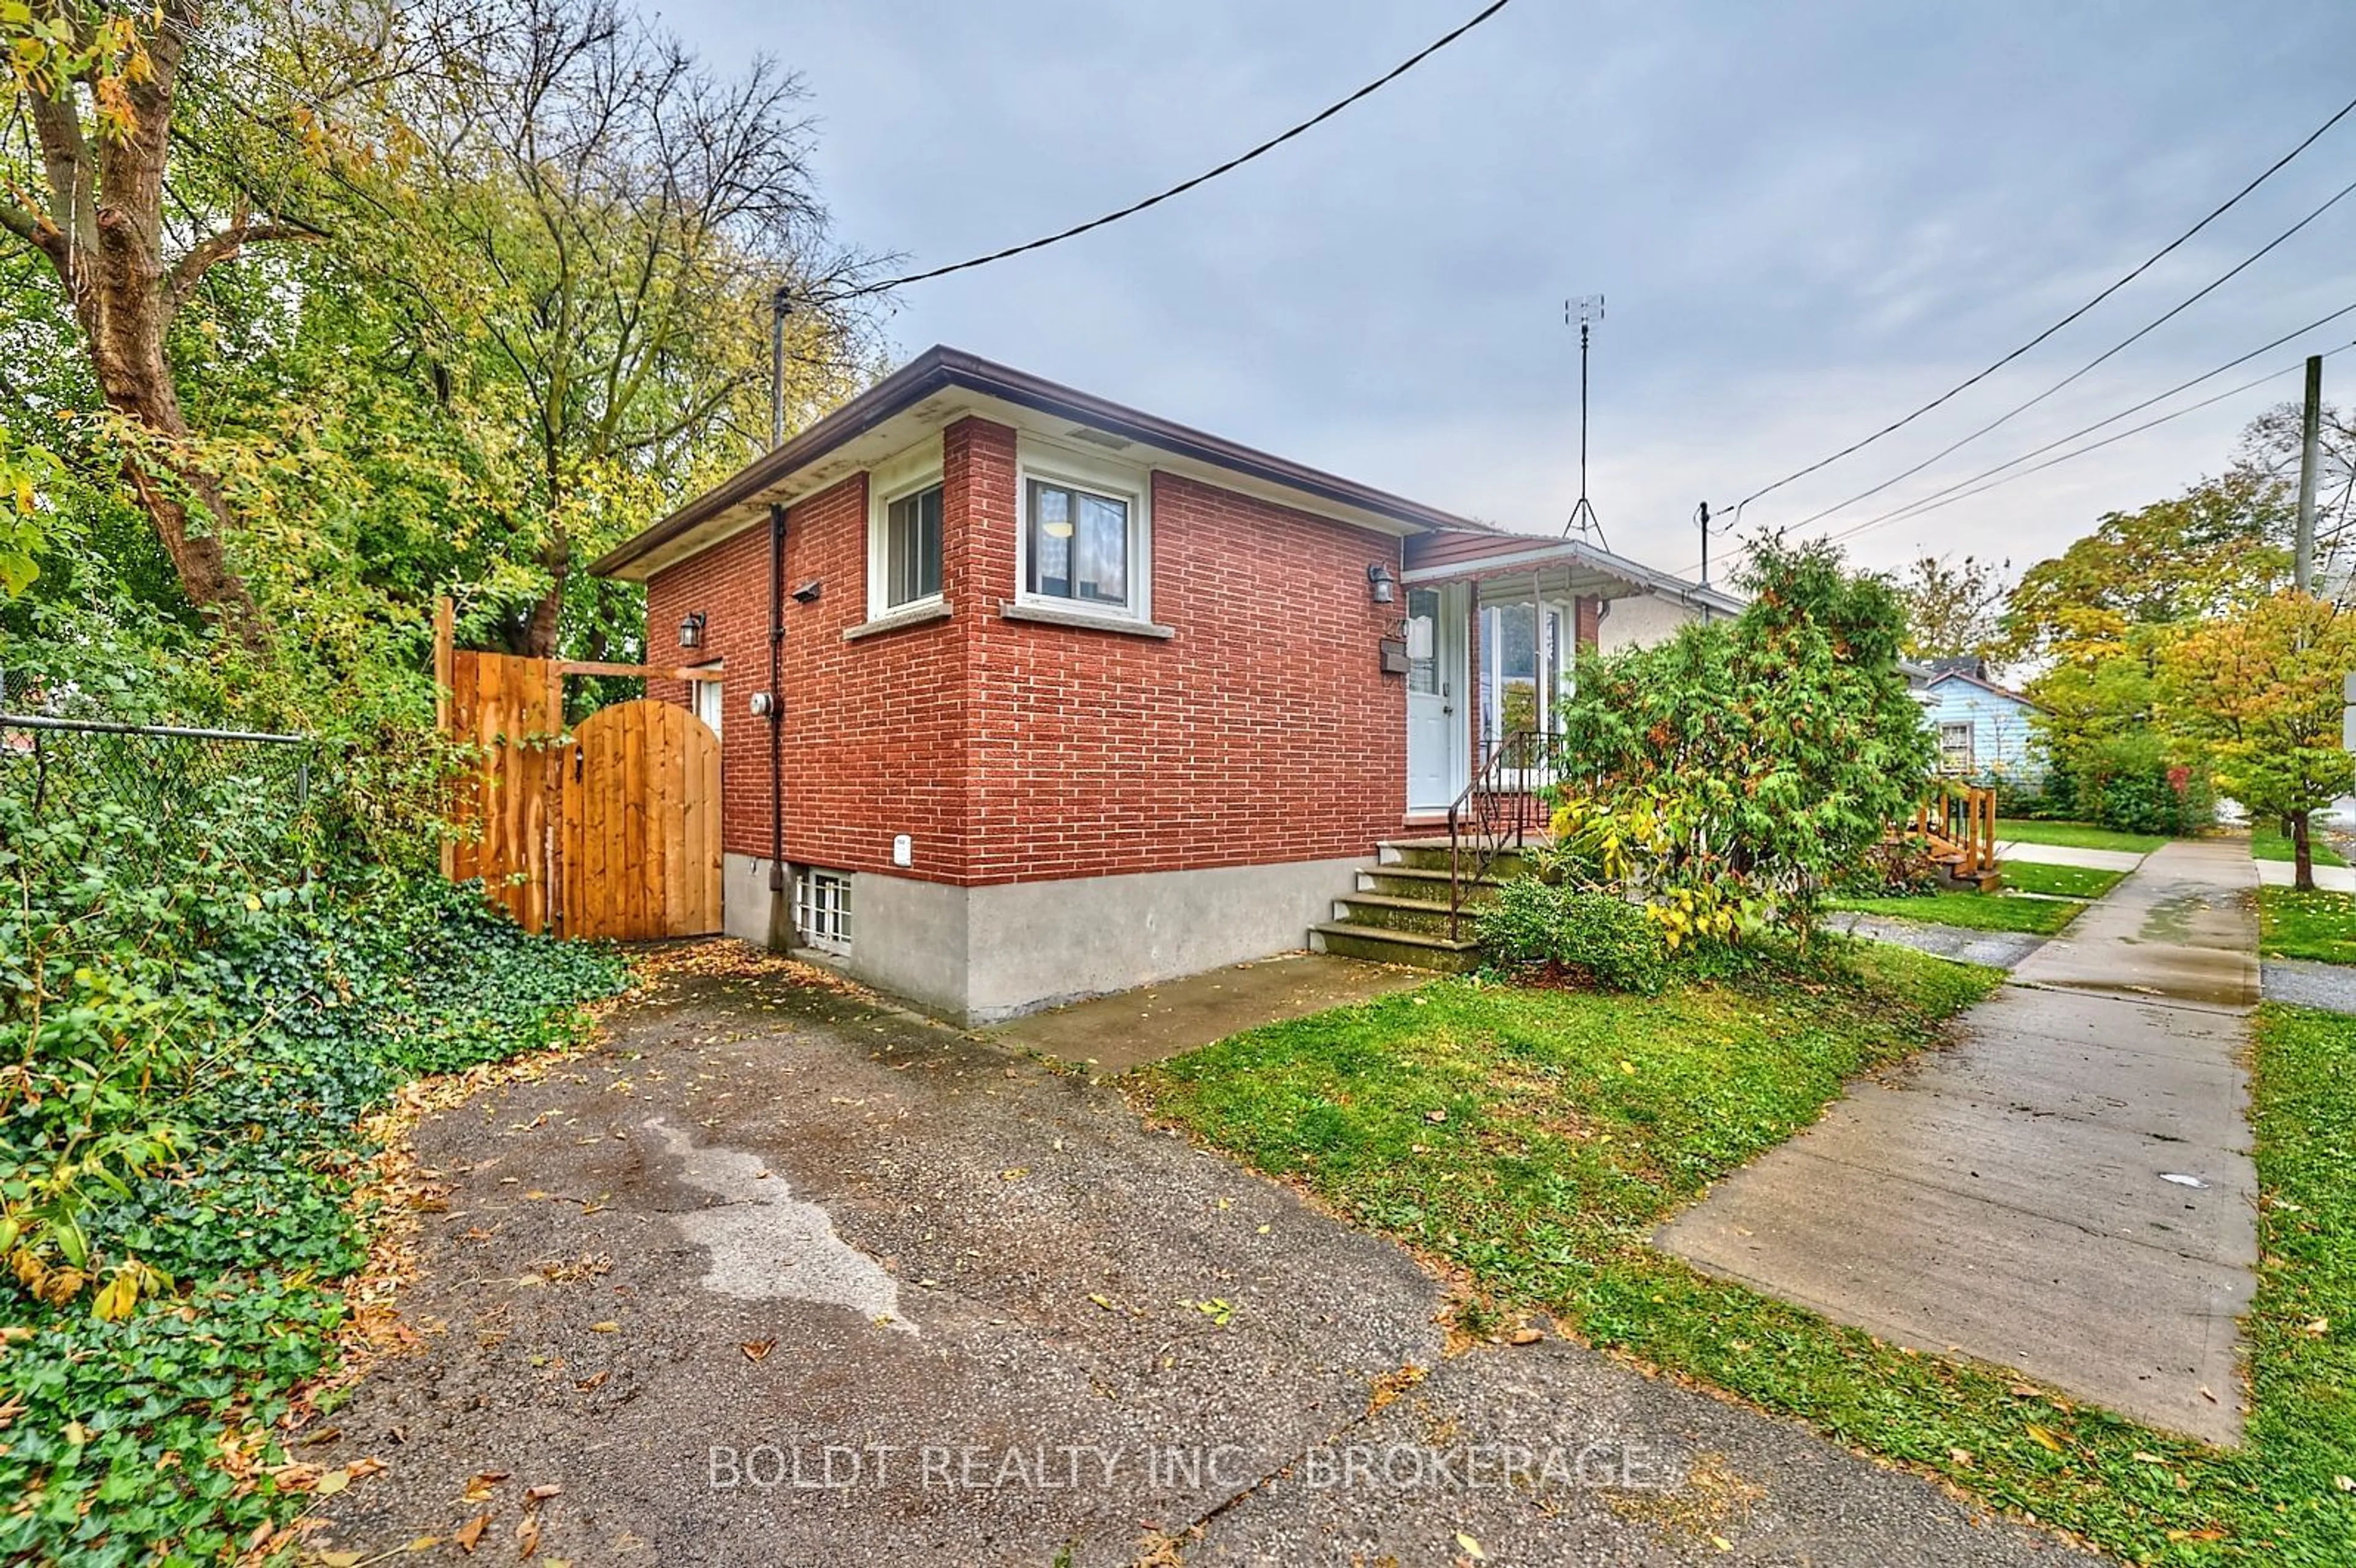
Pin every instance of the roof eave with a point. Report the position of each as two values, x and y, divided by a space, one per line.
941 369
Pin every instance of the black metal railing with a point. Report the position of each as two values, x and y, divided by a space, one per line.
1494 814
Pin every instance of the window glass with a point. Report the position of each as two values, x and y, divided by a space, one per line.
912 548
1423 641
1078 545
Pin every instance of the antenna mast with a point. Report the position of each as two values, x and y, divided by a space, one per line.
1584 312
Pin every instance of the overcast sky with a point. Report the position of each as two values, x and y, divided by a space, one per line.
1806 219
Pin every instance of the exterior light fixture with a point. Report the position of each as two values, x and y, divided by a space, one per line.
1381 583
691 630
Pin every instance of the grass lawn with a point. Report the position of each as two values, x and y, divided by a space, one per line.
2075 835
1574 1123
1974 911
2066 881
2268 843
2318 925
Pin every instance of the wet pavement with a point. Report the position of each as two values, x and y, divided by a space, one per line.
1112 1034
1996 949
2066 1189
778 1275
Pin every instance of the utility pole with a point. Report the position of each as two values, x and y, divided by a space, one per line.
1701 515
1584 311
2311 432
781 304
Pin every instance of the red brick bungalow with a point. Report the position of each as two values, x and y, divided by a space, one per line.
1027 696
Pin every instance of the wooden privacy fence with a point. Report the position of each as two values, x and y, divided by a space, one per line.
610 830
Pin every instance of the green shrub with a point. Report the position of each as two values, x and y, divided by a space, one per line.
1613 941
192 1027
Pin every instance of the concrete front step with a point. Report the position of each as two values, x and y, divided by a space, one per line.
1427 886
1432 855
1425 916
1377 945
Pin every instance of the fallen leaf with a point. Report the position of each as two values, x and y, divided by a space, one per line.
328 1484
2043 1438
2319 1328
2026 1391
359 1467
1435 1116
338 1559
2345 1483
607 1326
1722 1543
534 1496
1960 1455
2141 1458
471 1531
592 1385
756 1349
1526 1336
1106 1301
1472 1547
527 1535
1629 1067
2207 1396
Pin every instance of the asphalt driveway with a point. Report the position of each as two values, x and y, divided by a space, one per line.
780 1276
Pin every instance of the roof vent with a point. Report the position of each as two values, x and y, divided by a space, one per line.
1099 438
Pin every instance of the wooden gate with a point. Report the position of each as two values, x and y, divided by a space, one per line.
611 831
640 846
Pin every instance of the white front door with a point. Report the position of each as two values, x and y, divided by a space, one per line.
1435 686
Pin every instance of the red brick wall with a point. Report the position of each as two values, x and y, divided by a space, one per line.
873 729
1263 731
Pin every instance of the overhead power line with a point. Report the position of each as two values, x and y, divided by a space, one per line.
1923 503
2139 270
1183 187
2106 355
1919 508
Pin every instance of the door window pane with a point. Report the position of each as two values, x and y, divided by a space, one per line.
1423 641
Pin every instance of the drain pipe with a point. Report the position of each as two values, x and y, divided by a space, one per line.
780 912
781 919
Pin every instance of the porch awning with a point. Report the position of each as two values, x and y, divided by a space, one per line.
1585 570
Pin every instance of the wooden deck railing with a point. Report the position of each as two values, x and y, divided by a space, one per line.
1959 820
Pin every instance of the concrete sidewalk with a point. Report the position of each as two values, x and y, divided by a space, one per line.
2068 1191
2068 854
2327 879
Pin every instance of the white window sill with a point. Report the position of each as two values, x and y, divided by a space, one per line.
1086 620
916 614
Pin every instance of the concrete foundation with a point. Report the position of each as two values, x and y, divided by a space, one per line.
982 954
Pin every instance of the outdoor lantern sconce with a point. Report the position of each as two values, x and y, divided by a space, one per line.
691 630
1379 581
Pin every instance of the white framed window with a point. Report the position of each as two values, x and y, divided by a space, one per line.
903 533
822 910
1085 535
1955 747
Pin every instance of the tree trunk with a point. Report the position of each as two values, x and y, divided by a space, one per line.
103 234
546 616
2302 859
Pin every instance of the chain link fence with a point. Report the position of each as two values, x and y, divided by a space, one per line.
243 793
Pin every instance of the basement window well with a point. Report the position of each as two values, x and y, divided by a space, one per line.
822 910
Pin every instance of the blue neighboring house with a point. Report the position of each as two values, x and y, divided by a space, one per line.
1983 727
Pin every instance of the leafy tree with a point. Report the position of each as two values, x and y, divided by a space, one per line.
589 227
86 183
1954 608
2260 690
2224 543
2103 615
1731 774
